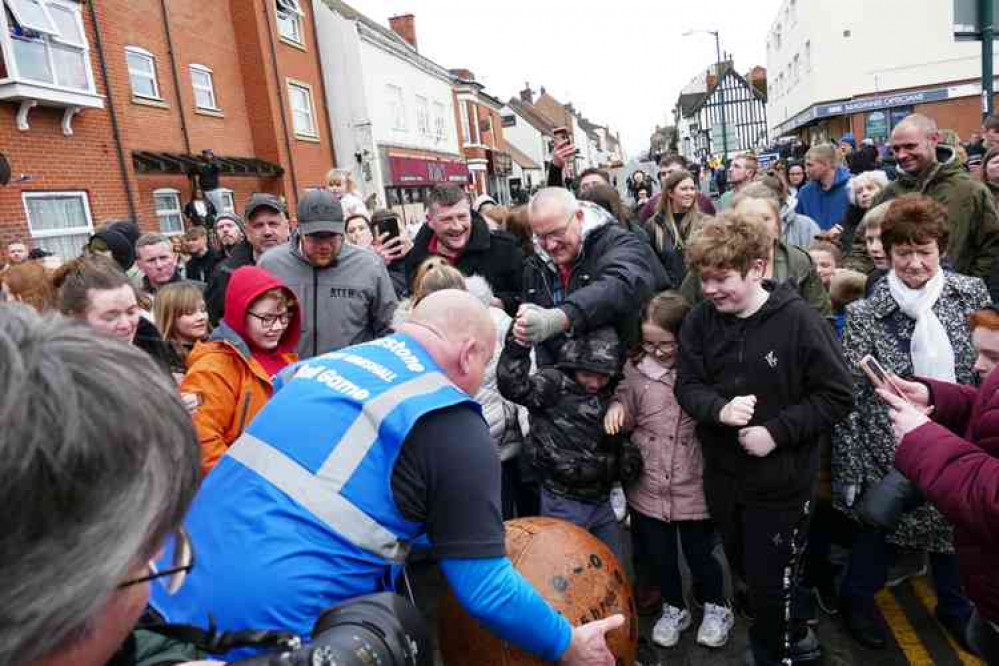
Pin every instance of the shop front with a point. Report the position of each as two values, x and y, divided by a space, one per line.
500 167
411 177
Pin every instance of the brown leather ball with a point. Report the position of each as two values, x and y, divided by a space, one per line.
572 569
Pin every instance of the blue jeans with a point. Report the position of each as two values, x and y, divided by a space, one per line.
598 518
867 573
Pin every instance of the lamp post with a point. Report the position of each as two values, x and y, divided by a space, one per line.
721 87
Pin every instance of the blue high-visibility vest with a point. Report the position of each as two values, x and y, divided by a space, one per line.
299 515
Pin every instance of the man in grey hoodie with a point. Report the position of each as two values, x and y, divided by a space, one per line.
345 292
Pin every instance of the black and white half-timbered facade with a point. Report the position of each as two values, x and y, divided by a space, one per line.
698 117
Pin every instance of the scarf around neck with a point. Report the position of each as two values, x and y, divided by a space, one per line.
931 351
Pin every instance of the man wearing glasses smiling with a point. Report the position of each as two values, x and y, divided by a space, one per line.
106 466
588 272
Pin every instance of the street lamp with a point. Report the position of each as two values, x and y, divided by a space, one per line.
721 87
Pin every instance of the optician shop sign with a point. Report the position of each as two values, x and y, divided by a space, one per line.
847 107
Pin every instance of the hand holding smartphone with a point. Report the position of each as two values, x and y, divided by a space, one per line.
880 378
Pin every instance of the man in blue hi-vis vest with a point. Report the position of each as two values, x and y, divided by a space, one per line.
359 453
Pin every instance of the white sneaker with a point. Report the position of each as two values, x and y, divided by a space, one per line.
717 622
666 632
619 503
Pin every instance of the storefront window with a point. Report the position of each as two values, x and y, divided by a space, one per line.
876 126
897 115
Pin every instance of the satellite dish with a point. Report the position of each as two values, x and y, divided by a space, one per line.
4 170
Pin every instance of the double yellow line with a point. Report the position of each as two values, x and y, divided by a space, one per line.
905 634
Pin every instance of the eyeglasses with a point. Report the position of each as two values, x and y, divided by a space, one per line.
653 347
557 235
268 320
180 566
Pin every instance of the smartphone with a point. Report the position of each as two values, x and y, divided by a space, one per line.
388 224
879 376
562 135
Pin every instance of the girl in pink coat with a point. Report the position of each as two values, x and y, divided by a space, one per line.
667 501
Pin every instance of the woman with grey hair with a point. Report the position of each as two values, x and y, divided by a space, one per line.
100 460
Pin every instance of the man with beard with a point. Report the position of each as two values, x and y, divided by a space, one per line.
228 232
345 291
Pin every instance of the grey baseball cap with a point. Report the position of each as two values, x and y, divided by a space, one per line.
260 200
319 210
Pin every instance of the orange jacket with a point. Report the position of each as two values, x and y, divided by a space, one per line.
232 387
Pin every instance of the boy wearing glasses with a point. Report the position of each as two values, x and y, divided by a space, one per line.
231 373
762 374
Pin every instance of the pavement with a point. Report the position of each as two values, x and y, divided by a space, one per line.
916 639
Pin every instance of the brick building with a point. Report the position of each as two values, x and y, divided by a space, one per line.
106 107
479 118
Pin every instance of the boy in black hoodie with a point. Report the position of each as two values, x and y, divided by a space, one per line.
764 377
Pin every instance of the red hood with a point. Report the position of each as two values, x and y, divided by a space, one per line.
246 284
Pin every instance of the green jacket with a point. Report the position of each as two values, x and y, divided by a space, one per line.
791 264
971 211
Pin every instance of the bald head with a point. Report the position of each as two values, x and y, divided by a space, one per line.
917 121
914 143
457 330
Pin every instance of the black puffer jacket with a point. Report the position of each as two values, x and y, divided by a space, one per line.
567 443
614 277
788 357
242 255
492 254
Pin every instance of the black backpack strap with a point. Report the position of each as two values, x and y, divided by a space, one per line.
215 642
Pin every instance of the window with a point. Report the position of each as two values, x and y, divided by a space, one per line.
228 201
203 83
59 221
168 211
792 10
470 123
422 116
777 37
302 112
808 56
289 21
48 44
440 121
397 111
142 73
797 67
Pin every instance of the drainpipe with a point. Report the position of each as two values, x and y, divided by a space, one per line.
176 77
271 29
115 129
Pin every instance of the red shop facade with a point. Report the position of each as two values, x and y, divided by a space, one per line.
409 175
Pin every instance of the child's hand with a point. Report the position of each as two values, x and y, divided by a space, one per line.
757 441
614 419
739 411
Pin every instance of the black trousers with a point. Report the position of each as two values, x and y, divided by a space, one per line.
657 540
769 543
519 496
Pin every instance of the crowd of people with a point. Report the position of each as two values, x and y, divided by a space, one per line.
312 397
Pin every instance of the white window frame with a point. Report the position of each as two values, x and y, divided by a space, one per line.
313 131
440 121
397 106
50 29
41 234
422 115
154 77
51 40
471 127
162 213
289 16
209 90
228 199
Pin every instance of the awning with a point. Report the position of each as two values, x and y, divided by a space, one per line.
146 162
420 172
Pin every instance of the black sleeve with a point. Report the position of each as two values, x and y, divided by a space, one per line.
215 293
448 477
516 383
555 178
695 390
509 287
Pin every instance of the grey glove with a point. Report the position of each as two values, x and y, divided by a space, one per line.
541 324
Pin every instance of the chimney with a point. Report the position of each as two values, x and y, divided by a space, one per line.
405 27
463 74
527 95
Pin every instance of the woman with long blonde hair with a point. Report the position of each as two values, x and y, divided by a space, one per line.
675 220
182 317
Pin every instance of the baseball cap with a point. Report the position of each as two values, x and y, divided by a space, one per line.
318 210
260 200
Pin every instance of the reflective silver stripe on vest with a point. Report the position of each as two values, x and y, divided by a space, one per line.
363 432
316 495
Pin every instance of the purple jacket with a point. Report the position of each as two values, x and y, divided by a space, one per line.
671 486
960 475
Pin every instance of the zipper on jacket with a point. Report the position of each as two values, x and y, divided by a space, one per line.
242 415
315 311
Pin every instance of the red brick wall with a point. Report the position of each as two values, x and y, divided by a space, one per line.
86 161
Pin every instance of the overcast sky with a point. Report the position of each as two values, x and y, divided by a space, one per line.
621 63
